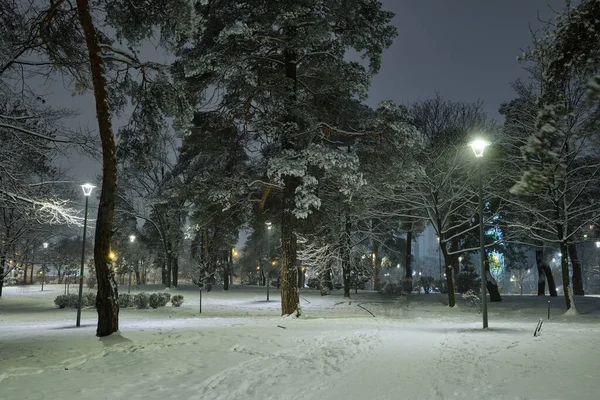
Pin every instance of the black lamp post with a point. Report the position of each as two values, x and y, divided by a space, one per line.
131 240
87 191
478 147
43 271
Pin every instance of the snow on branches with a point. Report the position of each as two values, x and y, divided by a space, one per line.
306 163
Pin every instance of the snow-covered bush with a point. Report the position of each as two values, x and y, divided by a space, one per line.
67 301
403 301
126 300
164 298
313 283
473 299
177 300
141 300
155 300
89 299
392 288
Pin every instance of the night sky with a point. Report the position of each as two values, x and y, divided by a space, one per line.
464 49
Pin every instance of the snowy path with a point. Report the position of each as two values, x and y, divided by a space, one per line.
310 359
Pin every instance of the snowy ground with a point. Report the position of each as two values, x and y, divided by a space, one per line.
240 349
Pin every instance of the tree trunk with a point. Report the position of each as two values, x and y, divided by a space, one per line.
326 282
566 280
375 258
577 275
226 270
449 279
544 275
106 300
550 280
346 267
290 300
2 263
169 266
25 274
539 261
408 261
491 284
175 271
289 276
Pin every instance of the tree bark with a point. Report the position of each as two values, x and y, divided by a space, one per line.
449 278
408 260
566 280
106 300
169 266
544 275
290 300
491 284
226 270
345 247
539 261
175 271
2 263
289 276
375 258
577 275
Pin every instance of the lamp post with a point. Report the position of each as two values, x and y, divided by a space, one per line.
478 147
131 240
269 230
87 191
43 272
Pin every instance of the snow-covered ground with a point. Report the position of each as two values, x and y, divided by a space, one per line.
239 348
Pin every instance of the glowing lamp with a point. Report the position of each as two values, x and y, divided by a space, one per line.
479 146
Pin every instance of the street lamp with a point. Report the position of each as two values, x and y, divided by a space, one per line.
131 240
87 191
43 272
478 147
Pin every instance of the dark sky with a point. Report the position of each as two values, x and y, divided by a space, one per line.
465 49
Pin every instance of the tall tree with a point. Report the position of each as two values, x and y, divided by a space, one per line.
278 62
559 164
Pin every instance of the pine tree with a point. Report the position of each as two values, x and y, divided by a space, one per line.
279 63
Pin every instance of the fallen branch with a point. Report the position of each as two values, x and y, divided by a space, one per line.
358 305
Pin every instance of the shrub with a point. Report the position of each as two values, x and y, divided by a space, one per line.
313 283
392 288
126 300
91 281
425 282
89 299
141 300
177 300
164 298
155 300
67 301
473 299
441 285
